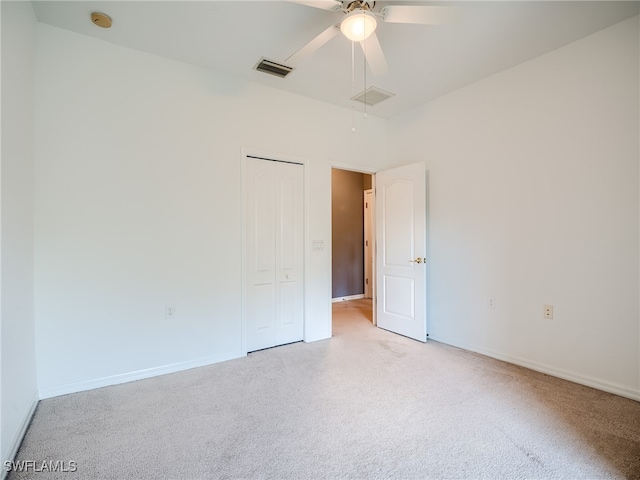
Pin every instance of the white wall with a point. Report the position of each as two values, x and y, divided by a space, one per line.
18 360
138 206
534 200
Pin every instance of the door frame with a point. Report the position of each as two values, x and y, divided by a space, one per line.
360 169
277 157
368 229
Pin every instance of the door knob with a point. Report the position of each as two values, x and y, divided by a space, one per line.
418 260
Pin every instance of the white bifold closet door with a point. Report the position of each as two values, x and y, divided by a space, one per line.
274 253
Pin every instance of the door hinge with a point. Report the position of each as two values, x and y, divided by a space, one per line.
366 281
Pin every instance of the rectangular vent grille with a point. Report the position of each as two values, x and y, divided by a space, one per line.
372 96
273 68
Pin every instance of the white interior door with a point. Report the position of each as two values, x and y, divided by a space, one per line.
401 250
274 253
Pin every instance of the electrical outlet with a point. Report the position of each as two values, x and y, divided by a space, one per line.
491 303
548 311
170 312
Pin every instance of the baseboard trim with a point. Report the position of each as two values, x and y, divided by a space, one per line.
317 338
348 297
596 383
17 440
56 391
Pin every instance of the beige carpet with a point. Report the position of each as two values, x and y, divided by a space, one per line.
365 404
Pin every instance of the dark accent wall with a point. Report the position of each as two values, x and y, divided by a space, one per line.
347 231
366 181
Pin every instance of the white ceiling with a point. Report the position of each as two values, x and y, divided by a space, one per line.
424 61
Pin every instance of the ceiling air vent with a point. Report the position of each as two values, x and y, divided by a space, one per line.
273 68
372 96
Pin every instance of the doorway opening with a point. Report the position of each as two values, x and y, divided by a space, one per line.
352 241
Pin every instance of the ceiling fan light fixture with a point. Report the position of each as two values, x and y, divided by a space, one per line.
358 25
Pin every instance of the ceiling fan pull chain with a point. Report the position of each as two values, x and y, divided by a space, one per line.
353 86
364 72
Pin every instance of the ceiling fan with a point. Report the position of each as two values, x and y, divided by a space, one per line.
359 22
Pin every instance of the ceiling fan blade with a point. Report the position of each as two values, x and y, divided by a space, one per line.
374 55
312 46
322 4
422 14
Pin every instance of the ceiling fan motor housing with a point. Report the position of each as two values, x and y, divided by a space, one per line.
360 5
